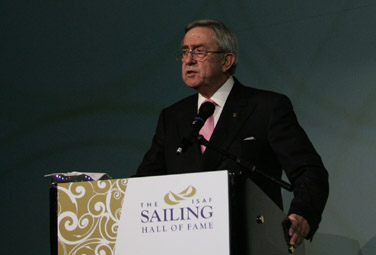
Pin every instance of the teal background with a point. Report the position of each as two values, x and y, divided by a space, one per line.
82 84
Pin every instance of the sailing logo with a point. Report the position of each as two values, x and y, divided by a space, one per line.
173 199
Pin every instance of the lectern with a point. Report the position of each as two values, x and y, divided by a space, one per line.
197 213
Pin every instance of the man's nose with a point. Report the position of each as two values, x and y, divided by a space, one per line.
189 59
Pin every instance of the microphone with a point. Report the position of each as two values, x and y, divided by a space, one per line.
206 110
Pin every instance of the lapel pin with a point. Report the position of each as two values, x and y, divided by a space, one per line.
235 114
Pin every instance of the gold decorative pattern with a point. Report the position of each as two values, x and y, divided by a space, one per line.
88 216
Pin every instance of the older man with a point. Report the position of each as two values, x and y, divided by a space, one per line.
209 59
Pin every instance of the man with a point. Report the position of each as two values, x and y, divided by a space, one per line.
209 59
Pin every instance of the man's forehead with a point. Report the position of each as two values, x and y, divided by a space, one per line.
193 46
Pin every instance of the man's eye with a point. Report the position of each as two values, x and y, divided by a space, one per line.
200 52
184 52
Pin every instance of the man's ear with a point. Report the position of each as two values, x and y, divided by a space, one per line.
227 61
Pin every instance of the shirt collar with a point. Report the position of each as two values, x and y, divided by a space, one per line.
220 96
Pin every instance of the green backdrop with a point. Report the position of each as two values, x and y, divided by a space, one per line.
82 84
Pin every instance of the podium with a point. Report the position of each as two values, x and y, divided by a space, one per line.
196 213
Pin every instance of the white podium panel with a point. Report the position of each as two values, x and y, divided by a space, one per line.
175 214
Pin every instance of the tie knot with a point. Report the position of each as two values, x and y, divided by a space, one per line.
210 100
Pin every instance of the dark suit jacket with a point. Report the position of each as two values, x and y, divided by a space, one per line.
280 144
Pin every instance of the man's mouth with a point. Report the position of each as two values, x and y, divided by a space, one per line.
190 72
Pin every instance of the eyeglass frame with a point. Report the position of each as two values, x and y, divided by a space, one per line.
180 54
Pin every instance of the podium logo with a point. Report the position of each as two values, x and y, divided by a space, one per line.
173 199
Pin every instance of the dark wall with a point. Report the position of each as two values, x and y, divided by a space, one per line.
82 84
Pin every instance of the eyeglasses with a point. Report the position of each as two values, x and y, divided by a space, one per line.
197 54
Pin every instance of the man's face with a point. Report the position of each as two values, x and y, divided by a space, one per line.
205 73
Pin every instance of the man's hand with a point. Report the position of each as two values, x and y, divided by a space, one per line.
299 229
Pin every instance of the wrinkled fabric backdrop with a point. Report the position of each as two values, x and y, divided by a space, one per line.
82 84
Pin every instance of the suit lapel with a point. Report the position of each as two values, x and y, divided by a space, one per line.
235 113
192 157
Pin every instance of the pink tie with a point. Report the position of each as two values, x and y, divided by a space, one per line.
207 130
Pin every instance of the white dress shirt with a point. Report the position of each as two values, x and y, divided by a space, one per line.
219 97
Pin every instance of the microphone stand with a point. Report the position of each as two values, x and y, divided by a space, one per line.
244 169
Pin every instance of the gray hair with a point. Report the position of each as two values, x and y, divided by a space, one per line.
226 39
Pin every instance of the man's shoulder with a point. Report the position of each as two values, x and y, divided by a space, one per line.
258 94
